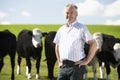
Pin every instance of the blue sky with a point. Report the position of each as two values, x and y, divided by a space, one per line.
52 11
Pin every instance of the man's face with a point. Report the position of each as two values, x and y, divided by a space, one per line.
71 14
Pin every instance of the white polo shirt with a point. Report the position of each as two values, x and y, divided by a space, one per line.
71 41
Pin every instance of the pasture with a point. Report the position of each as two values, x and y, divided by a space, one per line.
6 71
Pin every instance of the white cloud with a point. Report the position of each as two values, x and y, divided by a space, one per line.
113 9
112 22
90 8
3 14
95 8
5 22
25 13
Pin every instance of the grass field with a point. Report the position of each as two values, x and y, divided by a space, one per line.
6 71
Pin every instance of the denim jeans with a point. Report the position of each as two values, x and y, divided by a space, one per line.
69 71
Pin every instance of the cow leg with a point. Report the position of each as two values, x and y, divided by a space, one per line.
50 65
118 70
85 75
94 66
37 68
28 68
1 64
12 59
108 70
19 62
102 68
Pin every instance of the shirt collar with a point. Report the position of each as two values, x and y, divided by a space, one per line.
72 24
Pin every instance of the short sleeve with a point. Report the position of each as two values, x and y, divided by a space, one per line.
57 37
87 35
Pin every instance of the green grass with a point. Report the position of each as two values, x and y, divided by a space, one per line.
107 29
6 71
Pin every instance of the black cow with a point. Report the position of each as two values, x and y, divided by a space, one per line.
7 46
108 49
29 46
50 53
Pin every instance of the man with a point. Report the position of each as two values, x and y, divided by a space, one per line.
70 40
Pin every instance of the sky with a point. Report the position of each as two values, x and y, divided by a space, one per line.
52 11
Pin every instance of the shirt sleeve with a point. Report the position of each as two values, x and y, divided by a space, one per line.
87 35
57 37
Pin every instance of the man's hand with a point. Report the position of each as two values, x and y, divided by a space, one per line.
59 64
81 62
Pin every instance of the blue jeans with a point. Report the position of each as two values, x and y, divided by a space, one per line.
69 71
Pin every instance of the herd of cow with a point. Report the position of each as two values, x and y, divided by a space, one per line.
29 45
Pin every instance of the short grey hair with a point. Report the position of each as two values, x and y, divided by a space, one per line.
72 5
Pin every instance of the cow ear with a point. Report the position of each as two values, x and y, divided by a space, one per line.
44 34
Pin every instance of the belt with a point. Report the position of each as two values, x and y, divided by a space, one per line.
69 62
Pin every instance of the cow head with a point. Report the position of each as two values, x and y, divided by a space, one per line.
116 48
36 38
99 39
